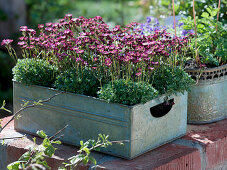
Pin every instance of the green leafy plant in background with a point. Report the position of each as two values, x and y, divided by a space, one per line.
185 7
35 72
115 12
170 80
211 38
127 92
163 8
41 11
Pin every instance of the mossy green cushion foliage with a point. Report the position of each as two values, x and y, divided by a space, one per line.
77 81
35 72
127 92
169 80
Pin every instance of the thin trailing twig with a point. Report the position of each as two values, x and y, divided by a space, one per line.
52 137
196 50
12 137
29 106
57 138
219 3
174 19
35 166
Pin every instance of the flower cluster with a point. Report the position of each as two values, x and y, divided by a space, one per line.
88 55
152 24
119 53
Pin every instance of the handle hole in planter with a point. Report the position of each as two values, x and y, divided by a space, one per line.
162 109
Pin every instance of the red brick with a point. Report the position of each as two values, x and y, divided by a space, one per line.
8 127
169 157
213 138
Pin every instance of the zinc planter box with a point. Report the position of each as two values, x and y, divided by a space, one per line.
207 100
87 117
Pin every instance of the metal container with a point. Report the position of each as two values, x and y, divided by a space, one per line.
207 100
141 124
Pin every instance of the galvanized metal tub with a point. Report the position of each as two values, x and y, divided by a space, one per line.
207 100
88 116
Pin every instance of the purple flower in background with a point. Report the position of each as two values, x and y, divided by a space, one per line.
180 24
156 21
185 32
149 19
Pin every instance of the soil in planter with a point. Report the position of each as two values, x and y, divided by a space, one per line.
162 109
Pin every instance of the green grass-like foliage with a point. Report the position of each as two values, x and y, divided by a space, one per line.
170 80
35 72
127 92
80 82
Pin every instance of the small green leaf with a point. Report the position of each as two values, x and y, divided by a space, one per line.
34 139
85 160
25 156
14 165
86 150
49 151
92 159
76 159
57 142
41 133
205 15
200 26
46 142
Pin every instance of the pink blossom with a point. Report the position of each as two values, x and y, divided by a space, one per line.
151 68
68 16
108 62
21 43
138 74
49 24
40 25
6 42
